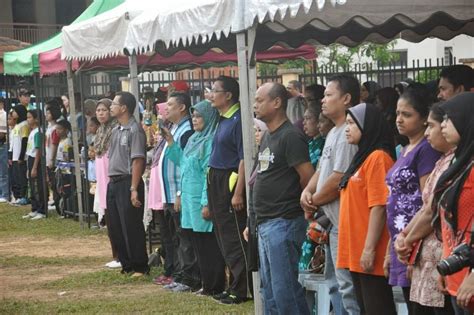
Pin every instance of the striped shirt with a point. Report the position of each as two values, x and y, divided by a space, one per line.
171 173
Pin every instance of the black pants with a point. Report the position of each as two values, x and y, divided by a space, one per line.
112 244
419 309
406 297
210 260
169 241
37 188
457 309
187 270
228 227
374 294
126 225
19 180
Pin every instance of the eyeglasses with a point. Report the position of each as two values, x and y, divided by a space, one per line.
218 91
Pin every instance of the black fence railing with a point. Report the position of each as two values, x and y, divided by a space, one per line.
95 85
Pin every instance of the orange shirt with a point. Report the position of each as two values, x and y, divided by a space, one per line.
365 189
450 240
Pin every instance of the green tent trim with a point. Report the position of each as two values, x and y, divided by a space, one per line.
25 62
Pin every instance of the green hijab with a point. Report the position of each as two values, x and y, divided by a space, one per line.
197 141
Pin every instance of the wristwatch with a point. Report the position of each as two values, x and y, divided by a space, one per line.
178 193
132 188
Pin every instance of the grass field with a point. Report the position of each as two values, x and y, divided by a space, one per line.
52 266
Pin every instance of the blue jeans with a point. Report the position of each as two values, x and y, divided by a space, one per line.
279 247
4 186
341 288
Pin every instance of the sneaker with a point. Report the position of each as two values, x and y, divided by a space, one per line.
32 214
181 288
137 275
232 299
220 296
52 208
3 200
21 202
171 285
114 264
38 216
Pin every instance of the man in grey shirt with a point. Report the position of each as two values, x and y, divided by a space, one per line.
125 191
322 192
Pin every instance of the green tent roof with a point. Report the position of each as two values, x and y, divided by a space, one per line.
25 61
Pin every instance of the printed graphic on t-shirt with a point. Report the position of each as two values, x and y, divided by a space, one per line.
264 159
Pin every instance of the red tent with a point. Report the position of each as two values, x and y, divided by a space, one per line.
51 63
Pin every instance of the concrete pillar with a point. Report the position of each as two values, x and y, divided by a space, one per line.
6 16
288 75
45 13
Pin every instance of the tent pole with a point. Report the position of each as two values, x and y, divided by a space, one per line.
246 101
134 89
75 141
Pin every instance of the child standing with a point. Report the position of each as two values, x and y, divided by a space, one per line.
64 178
18 145
35 171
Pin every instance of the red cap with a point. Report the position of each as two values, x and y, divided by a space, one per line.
180 86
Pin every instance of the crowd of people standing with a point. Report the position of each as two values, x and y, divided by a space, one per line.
384 174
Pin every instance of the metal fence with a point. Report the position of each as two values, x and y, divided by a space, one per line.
28 32
96 85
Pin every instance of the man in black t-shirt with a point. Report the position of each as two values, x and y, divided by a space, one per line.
283 170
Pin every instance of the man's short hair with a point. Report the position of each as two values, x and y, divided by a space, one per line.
278 90
230 85
316 91
182 98
458 75
24 92
348 85
296 84
127 99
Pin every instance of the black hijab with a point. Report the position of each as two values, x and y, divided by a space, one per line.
460 110
376 135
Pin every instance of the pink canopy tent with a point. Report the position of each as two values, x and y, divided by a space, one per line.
51 63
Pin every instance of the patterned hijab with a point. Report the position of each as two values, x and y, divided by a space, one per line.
102 138
211 116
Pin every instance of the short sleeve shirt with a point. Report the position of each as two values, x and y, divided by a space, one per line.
126 143
336 157
365 189
277 189
227 147
34 142
64 149
19 132
404 199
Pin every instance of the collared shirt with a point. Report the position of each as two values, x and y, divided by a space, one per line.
126 143
171 172
227 147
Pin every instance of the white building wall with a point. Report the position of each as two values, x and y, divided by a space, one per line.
432 48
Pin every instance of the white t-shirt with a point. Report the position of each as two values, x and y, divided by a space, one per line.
32 143
49 144
336 157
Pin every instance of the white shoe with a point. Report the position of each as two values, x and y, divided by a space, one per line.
38 216
114 264
51 208
30 215
3 200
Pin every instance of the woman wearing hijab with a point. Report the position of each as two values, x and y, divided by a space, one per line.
454 193
368 91
363 235
101 145
195 216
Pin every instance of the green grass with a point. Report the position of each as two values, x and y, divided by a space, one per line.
32 261
11 224
89 290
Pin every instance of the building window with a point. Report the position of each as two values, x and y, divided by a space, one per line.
401 58
448 55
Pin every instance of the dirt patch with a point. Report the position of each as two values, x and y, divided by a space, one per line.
25 282
92 246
